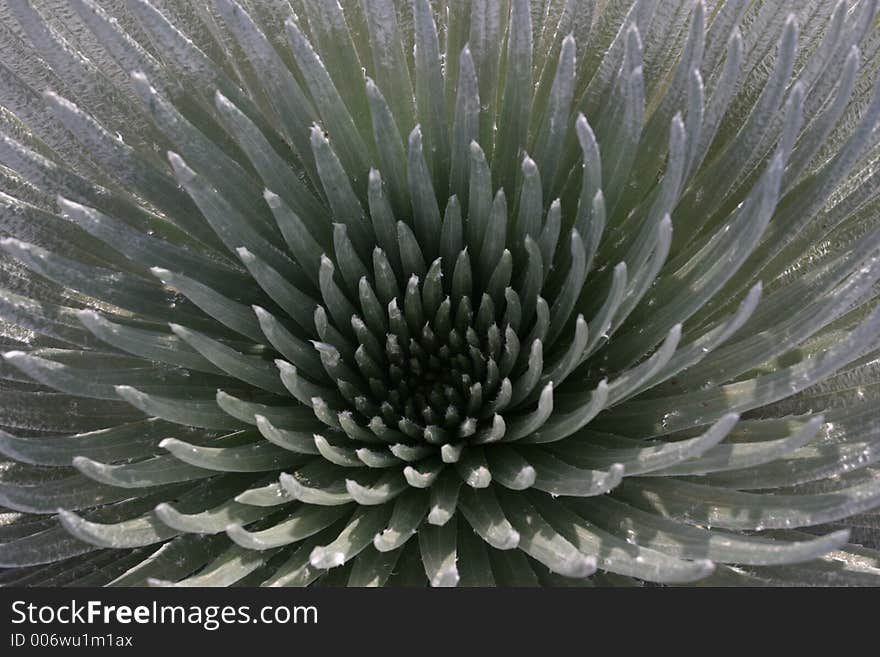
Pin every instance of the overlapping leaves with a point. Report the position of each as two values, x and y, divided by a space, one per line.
485 292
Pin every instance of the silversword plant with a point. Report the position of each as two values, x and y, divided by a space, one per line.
475 292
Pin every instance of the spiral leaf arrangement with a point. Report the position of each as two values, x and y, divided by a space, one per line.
484 292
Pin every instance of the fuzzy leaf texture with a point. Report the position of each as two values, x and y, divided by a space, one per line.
411 292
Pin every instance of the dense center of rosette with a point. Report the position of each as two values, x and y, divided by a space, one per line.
441 382
427 355
435 386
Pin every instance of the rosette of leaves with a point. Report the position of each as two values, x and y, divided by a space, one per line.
484 292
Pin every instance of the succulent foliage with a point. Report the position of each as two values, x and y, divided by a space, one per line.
477 292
